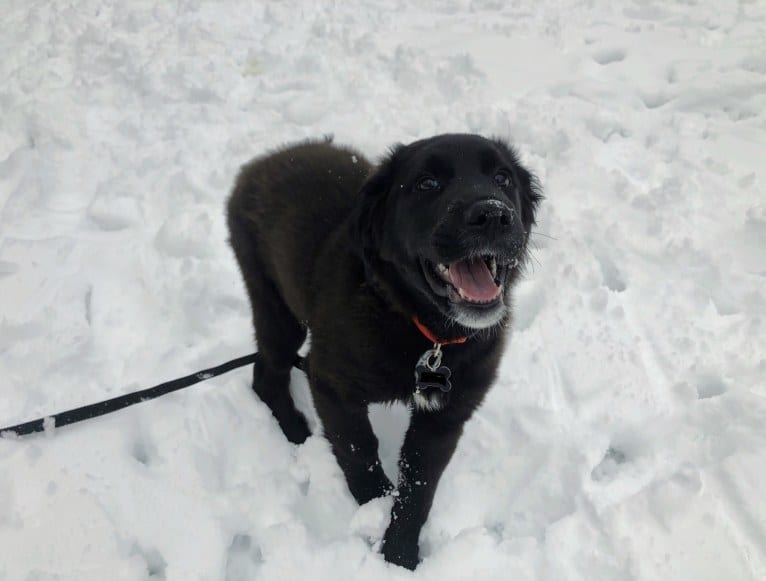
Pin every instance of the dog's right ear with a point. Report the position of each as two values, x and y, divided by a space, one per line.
369 214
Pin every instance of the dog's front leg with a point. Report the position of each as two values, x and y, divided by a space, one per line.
347 428
428 447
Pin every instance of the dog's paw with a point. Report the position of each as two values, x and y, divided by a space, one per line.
376 486
398 551
370 484
295 428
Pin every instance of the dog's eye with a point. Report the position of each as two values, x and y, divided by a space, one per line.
502 179
428 184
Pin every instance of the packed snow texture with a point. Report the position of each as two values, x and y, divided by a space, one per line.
625 438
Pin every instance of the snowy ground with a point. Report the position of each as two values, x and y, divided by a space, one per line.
626 437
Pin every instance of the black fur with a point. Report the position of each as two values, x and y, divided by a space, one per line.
330 243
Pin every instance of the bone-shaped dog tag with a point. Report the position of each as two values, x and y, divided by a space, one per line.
429 372
426 378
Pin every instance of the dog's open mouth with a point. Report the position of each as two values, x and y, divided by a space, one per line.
478 280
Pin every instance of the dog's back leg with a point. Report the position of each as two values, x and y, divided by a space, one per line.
278 333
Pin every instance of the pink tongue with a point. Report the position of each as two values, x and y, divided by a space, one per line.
474 280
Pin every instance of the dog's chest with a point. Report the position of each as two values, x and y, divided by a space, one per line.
415 376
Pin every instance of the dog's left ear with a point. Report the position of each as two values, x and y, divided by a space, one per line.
369 214
531 195
530 189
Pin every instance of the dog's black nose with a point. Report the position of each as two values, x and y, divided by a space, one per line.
489 214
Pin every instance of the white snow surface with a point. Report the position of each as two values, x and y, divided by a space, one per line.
625 438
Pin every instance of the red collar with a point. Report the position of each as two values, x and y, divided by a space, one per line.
433 338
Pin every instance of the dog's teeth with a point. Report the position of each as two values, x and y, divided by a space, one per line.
493 266
443 272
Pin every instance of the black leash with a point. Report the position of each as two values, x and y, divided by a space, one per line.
101 408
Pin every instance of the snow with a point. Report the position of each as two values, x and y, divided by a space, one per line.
625 438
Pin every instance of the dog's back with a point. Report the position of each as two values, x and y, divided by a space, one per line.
285 205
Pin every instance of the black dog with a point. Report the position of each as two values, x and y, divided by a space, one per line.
403 274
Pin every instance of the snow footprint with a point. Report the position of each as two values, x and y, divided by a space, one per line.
609 466
186 233
709 386
8 268
144 451
656 100
115 206
611 274
608 56
155 562
243 558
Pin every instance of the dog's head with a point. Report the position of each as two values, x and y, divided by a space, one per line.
448 219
